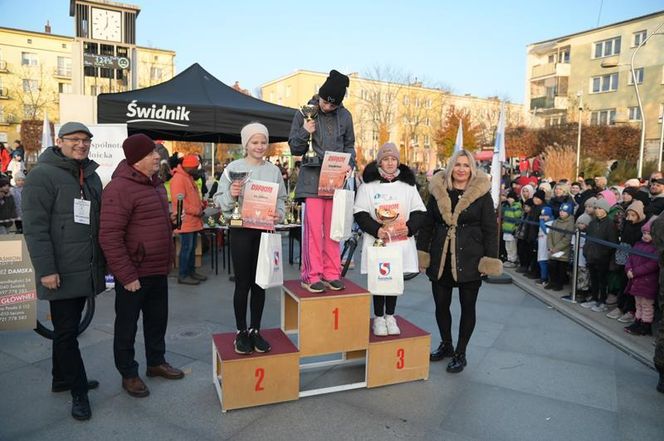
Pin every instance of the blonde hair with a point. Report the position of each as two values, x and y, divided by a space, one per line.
453 160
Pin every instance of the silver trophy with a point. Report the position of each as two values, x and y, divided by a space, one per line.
240 177
310 159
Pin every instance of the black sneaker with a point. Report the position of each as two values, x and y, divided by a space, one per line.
80 407
444 350
334 285
317 287
243 343
258 342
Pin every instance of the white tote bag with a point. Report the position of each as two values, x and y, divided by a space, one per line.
269 269
342 215
385 271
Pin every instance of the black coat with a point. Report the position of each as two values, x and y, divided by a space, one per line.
469 231
596 253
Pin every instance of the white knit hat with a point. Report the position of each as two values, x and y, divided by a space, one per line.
252 129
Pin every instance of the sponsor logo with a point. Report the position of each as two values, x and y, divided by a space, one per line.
154 113
276 259
384 269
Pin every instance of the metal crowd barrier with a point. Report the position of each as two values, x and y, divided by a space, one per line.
577 249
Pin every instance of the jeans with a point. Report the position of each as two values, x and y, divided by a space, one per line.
187 259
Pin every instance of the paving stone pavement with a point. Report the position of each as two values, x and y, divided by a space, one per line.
533 374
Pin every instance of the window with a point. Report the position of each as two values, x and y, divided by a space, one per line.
639 37
64 88
156 73
605 83
417 102
603 117
638 72
64 67
607 48
29 59
427 141
552 58
634 114
427 121
563 55
429 103
364 94
30 85
406 101
29 111
289 90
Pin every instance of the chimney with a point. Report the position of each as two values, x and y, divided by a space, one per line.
47 28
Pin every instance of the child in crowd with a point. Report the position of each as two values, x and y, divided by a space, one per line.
390 186
521 235
245 242
598 256
7 206
17 194
511 214
546 219
643 275
582 276
631 233
559 246
532 234
16 167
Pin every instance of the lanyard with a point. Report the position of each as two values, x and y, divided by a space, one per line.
80 181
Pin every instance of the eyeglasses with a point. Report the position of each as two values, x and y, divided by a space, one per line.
85 141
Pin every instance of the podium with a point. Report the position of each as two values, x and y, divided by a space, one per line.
315 326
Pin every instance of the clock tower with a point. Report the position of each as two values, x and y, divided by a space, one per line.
106 44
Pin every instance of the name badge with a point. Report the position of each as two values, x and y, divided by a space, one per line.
82 211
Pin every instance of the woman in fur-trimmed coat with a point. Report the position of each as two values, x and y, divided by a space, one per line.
457 247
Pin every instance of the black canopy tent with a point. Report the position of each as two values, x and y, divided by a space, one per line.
192 106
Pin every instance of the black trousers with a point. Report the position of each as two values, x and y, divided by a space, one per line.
557 273
599 283
245 243
442 296
152 301
67 362
523 251
384 305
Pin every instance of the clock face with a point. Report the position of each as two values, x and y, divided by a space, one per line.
106 25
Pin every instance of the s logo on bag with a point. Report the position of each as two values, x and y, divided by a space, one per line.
384 270
276 259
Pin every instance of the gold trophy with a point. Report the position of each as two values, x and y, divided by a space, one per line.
290 218
298 209
386 217
241 177
310 159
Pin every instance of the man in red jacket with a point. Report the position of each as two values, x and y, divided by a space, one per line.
136 237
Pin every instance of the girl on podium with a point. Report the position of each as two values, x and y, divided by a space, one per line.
330 130
245 242
389 189
457 247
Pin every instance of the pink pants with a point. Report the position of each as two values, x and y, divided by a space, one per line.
321 258
645 309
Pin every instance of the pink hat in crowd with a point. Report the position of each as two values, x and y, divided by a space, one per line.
609 197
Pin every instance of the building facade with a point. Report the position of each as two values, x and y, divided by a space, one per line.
407 114
38 69
587 75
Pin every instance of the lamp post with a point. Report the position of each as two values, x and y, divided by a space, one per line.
606 64
579 97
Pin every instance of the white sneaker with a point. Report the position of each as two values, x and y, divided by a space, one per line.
627 317
509 264
379 327
589 304
599 307
615 313
611 299
392 328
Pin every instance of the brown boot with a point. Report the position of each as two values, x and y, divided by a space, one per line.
164 370
135 387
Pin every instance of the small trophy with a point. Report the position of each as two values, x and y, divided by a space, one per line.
290 219
386 217
298 209
211 222
241 177
310 159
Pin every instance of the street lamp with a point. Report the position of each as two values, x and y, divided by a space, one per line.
579 97
608 64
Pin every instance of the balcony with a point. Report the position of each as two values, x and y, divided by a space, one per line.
62 73
3 66
546 103
4 93
550 70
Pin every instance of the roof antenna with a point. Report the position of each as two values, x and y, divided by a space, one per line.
599 14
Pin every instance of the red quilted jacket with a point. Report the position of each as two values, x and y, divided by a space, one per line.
135 232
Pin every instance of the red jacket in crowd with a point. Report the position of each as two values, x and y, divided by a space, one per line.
183 183
136 231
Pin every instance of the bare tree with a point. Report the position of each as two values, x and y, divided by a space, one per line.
31 91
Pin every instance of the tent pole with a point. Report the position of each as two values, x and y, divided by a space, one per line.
214 155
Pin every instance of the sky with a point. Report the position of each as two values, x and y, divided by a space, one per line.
472 46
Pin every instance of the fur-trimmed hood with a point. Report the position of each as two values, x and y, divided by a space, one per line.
371 174
478 186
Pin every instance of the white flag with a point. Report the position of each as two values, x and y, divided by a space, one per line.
498 158
47 137
458 144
